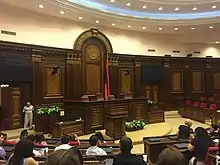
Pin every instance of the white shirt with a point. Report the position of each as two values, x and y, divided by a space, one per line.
63 147
30 108
95 150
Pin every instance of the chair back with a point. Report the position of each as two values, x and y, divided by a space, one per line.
188 102
212 107
203 105
195 104
210 149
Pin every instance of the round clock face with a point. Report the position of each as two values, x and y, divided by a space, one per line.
93 52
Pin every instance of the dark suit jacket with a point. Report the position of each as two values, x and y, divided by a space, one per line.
127 159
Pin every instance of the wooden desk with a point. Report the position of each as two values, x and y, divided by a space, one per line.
153 148
68 128
197 114
95 112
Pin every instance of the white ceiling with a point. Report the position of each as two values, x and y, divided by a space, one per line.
90 15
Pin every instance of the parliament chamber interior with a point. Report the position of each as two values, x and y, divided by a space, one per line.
109 82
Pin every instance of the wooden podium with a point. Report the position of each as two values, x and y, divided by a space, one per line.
115 123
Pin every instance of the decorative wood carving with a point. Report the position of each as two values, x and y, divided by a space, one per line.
16 108
78 45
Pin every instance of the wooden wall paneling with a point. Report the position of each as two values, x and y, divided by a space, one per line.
126 80
53 78
73 77
197 78
16 107
93 66
177 79
208 76
187 78
113 75
139 88
6 104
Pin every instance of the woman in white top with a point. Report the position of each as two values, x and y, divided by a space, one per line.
28 115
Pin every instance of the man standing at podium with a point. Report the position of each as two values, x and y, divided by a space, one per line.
28 115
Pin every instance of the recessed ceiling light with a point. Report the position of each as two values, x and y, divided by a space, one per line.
192 28
176 29
176 9
210 27
128 4
214 7
144 27
217 42
41 6
97 21
160 8
144 7
61 12
195 8
112 1
113 24
80 17
129 26
160 28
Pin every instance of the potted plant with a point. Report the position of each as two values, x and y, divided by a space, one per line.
134 125
46 118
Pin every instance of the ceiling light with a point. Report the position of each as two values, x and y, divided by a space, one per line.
192 28
160 28
80 18
176 29
129 26
177 9
214 7
112 1
128 4
61 12
160 8
217 42
144 7
113 24
144 27
210 27
97 21
194 9
41 6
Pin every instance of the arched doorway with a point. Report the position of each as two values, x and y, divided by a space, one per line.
95 47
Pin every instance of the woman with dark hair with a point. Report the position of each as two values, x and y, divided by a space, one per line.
199 146
40 140
65 157
100 137
74 140
23 134
23 154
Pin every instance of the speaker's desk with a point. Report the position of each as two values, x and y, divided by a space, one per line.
95 112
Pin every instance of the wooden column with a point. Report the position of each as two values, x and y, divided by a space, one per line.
113 75
73 76
37 87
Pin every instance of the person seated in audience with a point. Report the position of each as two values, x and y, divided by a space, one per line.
100 137
213 131
125 157
65 143
171 156
4 139
23 134
39 140
185 130
32 138
74 140
199 145
2 152
94 149
23 153
65 157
